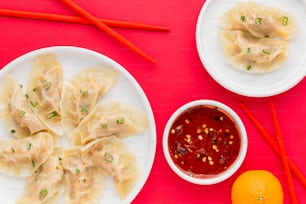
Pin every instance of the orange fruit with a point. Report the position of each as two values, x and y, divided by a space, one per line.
257 187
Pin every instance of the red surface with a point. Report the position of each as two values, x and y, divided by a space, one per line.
177 78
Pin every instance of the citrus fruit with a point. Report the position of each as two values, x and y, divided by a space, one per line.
257 187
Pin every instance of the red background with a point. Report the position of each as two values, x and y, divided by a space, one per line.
177 78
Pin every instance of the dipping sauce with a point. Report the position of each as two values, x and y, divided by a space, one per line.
204 140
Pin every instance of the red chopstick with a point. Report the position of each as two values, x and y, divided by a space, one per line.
273 145
74 19
283 154
92 19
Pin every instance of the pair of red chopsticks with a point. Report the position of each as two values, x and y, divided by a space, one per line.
87 18
279 148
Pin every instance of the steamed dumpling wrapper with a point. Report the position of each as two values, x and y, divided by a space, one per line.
81 93
260 21
43 186
112 157
16 112
83 183
109 119
253 55
22 157
44 90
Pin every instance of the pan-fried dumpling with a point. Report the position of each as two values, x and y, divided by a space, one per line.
44 90
16 112
112 157
254 55
260 21
81 93
22 157
43 186
83 184
110 119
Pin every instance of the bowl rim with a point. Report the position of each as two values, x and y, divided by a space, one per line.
222 175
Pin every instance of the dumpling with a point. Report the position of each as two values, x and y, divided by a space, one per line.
81 93
83 184
110 119
43 186
22 157
260 21
16 112
111 156
254 55
44 90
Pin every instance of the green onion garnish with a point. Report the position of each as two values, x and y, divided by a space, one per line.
267 52
12 150
84 93
20 85
84 108
13 131
258 21
29 146
34 89
77 171
52 114
43 194
33 163
249 50
249 67
33 104
21 113
104 125
242 18
46 85
26 95
120 121
108 157
285 20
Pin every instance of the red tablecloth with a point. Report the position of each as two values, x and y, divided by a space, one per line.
177 78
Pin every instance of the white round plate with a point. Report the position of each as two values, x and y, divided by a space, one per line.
212 55
126 90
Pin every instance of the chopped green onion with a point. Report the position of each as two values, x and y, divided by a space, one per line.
34 89
249 50
46 85
77 171
266 52
84 93
84 108
13 131
258 21
285 20
108 157
33 104
104 125
242 18
21 113
20 85
43 194
120 121
60 158
52 114
249 67
26 95
33 163
29 146
12 150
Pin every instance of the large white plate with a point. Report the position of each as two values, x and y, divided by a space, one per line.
126 90
212 55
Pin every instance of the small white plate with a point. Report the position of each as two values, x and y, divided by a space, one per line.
212 55
126 90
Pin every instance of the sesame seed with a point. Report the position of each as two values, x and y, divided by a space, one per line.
209 158
214 147
199 130
187 121
206 130
204 126
204 159
200 137
211 162
172 131
230 142
232 137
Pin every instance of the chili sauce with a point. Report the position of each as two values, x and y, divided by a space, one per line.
204 140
